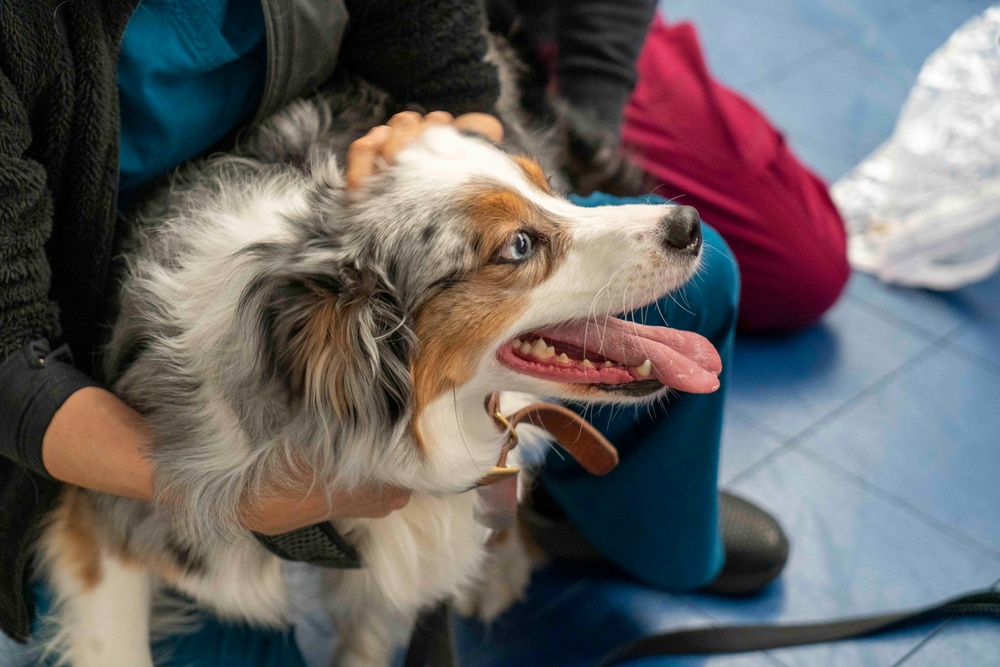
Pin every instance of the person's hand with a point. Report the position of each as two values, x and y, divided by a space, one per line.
98 442
288 510
378 149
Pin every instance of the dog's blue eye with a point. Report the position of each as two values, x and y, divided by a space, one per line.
518 248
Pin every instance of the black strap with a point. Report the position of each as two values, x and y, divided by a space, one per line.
318 544
432 643
743 638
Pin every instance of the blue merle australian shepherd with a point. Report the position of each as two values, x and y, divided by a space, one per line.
273 322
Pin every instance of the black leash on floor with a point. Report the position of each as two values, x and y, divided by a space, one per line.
432 644
744 638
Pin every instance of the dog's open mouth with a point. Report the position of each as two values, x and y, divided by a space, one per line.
618 356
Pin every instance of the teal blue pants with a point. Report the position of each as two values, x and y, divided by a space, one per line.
655 516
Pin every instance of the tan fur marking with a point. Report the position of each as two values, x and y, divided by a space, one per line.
324 370
498 537
456 327
534 173
317 341
166 566
72 542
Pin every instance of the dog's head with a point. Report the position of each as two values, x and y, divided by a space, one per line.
457 272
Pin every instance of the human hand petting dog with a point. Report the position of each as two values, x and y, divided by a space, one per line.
378 149
287 509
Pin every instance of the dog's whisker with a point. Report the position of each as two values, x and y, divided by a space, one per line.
554 448
458 420
592 312
680 305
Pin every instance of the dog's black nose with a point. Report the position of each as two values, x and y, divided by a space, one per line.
681 229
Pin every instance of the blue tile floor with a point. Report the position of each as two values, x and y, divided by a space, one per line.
873 437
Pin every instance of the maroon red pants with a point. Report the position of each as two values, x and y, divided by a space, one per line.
710 148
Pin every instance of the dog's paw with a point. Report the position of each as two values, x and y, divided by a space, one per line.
506 572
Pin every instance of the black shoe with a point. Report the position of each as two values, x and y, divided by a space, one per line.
756 547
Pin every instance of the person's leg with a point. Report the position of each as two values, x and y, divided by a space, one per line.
13 654
656 515
706 146
226 644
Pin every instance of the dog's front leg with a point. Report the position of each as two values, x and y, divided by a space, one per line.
505 576
101 617
369 633
101 599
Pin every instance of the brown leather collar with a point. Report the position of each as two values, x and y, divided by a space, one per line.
571 431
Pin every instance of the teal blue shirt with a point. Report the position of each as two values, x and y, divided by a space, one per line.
190 72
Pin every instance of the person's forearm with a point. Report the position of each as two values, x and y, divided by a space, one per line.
96 441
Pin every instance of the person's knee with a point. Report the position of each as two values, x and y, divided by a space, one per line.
714 291
794 295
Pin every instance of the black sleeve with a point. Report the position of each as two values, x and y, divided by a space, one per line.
599 42
33 383
428 52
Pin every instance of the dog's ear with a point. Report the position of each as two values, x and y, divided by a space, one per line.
287 136
337 340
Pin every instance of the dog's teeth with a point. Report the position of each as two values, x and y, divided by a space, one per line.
517 343
562 358
645 370
541 350
586 363
526 347
608 363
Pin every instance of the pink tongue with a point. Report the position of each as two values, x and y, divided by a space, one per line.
681 360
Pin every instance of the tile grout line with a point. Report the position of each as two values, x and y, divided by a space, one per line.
750 470
952 336
891 318
792 442
933 634
716 622
923 642
897 502
768 430
902 323
987 365
839 41
948 339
